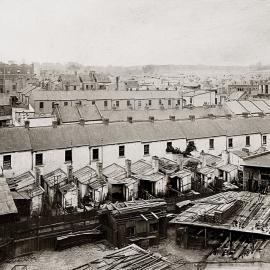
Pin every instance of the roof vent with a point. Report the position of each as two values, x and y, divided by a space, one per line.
152 119
106 121
172 117
129 119
192 117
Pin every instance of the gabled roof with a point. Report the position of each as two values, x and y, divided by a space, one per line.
24 181
55 177
114 171
85 174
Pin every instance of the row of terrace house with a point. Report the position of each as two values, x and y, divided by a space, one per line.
45 101
23 148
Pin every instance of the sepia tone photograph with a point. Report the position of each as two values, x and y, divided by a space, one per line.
134 135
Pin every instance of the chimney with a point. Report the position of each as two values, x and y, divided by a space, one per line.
211 116
172 117
99 169
245 114
54 124
155 164
106 121
151 119
192 117
81 121
228 116
128 167
203 160
69 173
129 119
180 161
37 176
27 124
225 157
117 82
261 114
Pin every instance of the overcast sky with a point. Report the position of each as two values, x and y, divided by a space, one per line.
136 32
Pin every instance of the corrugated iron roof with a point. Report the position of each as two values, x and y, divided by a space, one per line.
85 174
57 176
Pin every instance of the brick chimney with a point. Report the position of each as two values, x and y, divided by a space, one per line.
69 173
37 176
155 164
180 161
128 167
99 169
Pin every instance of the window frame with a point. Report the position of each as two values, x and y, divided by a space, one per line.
68 154
40 155
121 151
211 143
146 149
7 163
230 142
96 150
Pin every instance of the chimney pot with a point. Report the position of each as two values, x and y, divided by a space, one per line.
54 124
27 124
155 164
82 121
106 121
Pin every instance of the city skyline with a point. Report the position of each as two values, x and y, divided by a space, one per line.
131 33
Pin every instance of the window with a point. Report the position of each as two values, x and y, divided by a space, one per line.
74 87
190 100
93 102
139 103
7 162
146 149
266 89
117 103
105 103
169 102
130 231
264 139
169 144
65 103
121 151
178 101
128 102
160 102
52 105
87 87
39 159
247 140
68 155
149 102
230 143
13 87
95 154
41 105
211 143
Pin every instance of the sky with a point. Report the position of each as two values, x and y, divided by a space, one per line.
136 32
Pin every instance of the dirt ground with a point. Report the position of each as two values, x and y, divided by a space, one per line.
184 259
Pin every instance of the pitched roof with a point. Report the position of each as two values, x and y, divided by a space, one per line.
258 160
7 205
14 139
54 177
114 171
85 174
24 181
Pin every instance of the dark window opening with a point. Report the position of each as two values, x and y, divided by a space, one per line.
65 103
121 151
95 154
117 103
41 105
169 144
7 162
264 139
247 140
93 102
230 143
211 143
39 159
68 155
105 103
146 149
